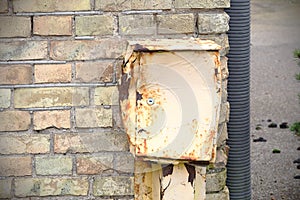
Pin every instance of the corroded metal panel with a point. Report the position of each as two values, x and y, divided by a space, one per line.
171 107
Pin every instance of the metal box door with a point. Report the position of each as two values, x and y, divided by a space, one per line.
175 97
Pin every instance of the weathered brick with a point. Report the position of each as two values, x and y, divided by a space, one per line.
15 166
50 5
52 25
151 4
87 49
15 74
124 163
95 164
99 71
113 186
176 23
99 117
224 112
106 96
224 68
215 180
222 134
25 187
137 25
3 6
90 142
15 26
53 73
119 5
14 120
221 156
202 4
5 188
220 39
117 119
223 195
49 97
53 165
224 91
25 143
213 23
47 119
23 50
69 198
5 98
94 25
118 69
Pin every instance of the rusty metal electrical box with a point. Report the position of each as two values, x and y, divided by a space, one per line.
170 98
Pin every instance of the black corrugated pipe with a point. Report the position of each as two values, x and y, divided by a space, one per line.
238 167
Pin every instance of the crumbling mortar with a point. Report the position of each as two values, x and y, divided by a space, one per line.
60 13
73 71
10 7
13 188
73 120
12 97
92 4
52 144
116 31
173 5
33 166
91 180
156 24
48 49
31 127
91 96
74 165
73 31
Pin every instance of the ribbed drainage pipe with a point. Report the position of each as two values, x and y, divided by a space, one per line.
238 167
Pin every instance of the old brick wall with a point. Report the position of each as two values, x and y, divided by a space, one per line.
60 130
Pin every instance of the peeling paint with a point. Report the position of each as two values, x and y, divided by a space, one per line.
167 170
192 173
177 185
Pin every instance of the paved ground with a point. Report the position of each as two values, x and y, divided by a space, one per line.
275 35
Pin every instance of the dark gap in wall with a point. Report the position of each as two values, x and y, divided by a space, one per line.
196 33
92 3
31 28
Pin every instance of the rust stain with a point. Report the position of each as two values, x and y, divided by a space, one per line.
129 64
137 188
213 154
145 147
142 148
138 47
212 135
217 59
194 125
191 156
144 115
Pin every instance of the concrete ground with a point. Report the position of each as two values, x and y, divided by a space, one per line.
275 33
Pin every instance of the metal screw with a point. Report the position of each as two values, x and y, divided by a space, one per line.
150 101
